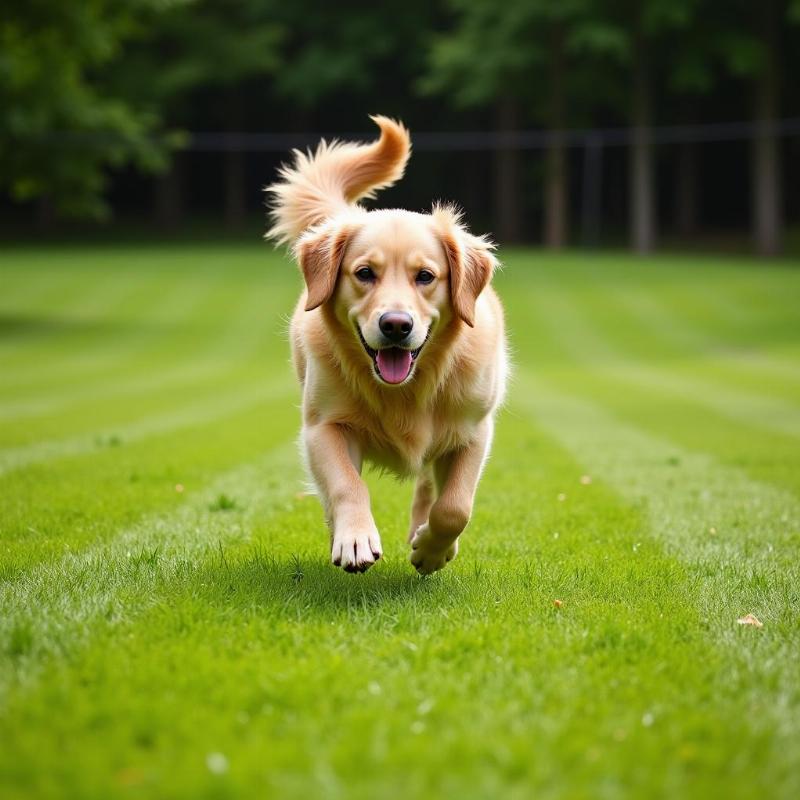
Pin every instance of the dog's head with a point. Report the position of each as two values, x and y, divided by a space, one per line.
395 279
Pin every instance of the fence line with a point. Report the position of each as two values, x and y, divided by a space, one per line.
591 144
493 140
454 141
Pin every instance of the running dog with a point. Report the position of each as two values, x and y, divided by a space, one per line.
398 343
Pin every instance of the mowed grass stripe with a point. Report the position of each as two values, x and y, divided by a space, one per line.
239 331
745 305
295 672
83 400
218 406
116 580
104 414
741 536
22 295
755 411
576 354
169 301
656 331
608 337
651 301
243 333
771 458
300 680
77 313
702 507
62 506
738 537
583 361
29 331
33 288
80 334
593 336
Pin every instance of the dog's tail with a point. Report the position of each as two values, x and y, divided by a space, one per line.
337 175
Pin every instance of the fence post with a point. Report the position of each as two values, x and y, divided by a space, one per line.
591 196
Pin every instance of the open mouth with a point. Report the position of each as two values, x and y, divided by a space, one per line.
392 364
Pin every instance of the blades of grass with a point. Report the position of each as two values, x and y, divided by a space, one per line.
49 610
688 492
221 405
56 506
292 680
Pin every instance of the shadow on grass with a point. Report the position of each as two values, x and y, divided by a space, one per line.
35 326
256 580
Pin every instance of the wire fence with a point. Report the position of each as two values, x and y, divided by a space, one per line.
212 169
588 147
441 141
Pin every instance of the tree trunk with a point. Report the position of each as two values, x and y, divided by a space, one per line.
169 196
45 214
686 190
235 199
592 193
235 179
767 201
506 175
642 178
555 194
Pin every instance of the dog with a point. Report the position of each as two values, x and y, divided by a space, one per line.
398 342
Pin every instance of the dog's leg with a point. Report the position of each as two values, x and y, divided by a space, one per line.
335 462
424 496
457 474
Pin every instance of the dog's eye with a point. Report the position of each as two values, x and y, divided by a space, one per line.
425 276
365 274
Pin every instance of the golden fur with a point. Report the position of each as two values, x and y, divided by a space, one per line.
436 422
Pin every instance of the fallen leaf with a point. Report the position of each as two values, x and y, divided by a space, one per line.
558 603
750 619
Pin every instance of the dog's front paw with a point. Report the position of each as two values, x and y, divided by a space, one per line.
356 552
428 554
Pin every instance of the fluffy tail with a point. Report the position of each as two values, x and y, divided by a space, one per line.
318 186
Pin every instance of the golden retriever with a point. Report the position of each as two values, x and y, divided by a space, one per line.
398 342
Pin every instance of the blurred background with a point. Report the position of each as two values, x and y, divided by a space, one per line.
170 625
652 124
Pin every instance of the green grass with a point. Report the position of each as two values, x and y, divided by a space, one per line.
170 625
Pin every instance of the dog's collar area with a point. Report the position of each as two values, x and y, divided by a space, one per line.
373 353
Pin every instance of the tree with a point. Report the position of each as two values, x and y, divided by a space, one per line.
752 50
479 63
767 190
513 55
352 50
202 64
60 129
642 198
691 75
562 62
647 34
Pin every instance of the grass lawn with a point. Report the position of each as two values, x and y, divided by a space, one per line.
170 625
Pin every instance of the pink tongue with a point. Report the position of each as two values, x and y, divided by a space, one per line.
394 364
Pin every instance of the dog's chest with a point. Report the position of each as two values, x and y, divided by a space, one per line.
406 442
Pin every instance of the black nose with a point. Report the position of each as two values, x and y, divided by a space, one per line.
395 325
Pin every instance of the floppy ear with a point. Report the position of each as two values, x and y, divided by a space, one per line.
320 253
471 265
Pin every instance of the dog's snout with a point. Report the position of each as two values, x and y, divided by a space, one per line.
395 325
